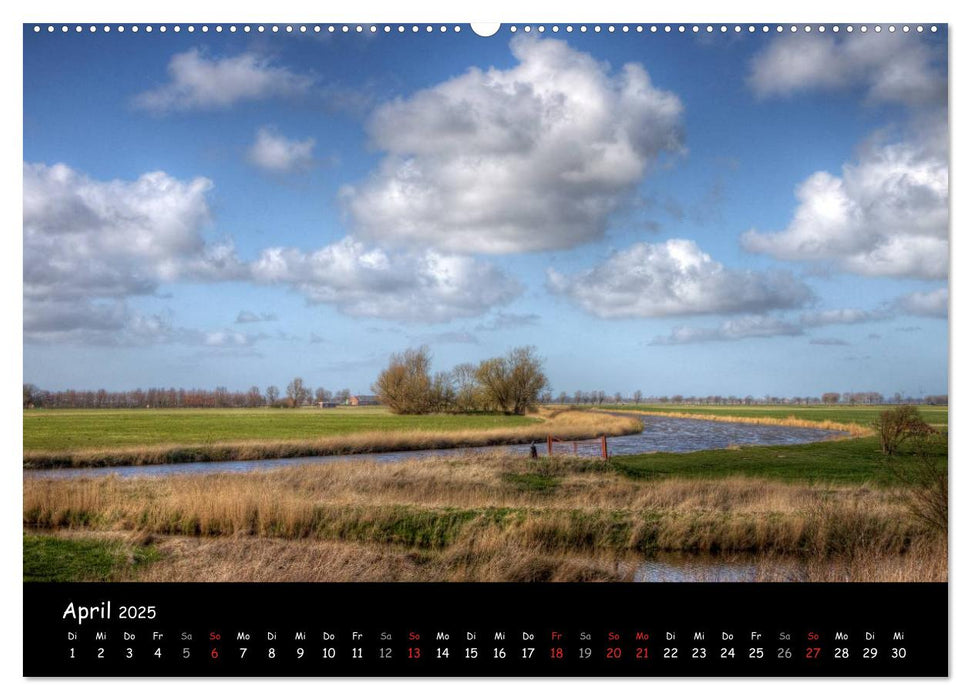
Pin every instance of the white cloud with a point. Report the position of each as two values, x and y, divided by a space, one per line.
932 303
534 157
885 215
273 152
447 337
360 281
675 278
197 81
502 321
733 329
832 317
230 339
90 246
886 67
84 237
245 316
114 323
99 322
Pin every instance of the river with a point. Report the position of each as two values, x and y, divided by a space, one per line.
660 434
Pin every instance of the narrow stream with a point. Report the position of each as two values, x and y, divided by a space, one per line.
660 434
709 568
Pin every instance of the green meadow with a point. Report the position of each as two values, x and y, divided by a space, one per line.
110 428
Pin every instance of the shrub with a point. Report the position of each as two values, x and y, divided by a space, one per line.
897 425
924 479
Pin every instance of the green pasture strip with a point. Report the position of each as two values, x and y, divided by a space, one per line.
107 428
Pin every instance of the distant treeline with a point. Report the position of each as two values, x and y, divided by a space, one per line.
297 394
459 389
830 398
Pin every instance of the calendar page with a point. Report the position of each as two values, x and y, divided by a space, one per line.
544 349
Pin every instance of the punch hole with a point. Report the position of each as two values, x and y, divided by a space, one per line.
485 29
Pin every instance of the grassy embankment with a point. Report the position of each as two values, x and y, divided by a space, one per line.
102 438
830 506
854 461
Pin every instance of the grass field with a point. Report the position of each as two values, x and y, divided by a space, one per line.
248 436
858 461
96 428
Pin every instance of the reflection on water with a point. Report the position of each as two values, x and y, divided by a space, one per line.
718 569
661 434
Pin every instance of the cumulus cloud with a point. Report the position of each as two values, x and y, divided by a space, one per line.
932 303
361 281
90 238
197 81
115 324
886 67
91 246
534 157
675 278
884 215
277 154
754 326
253 317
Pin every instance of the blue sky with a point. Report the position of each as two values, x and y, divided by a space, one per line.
717 214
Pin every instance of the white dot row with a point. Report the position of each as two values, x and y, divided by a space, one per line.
414 28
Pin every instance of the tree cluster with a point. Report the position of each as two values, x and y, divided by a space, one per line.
513 383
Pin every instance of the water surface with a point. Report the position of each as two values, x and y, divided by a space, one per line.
708 568
661 434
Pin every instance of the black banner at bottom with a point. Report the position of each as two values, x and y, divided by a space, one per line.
478 629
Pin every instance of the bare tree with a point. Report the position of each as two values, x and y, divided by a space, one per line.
513 383
467 396
253 397
404 385
296 392
30 395
638 395
272 394
442 392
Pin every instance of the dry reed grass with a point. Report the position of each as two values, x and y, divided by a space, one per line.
854 429
568 425
488 503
